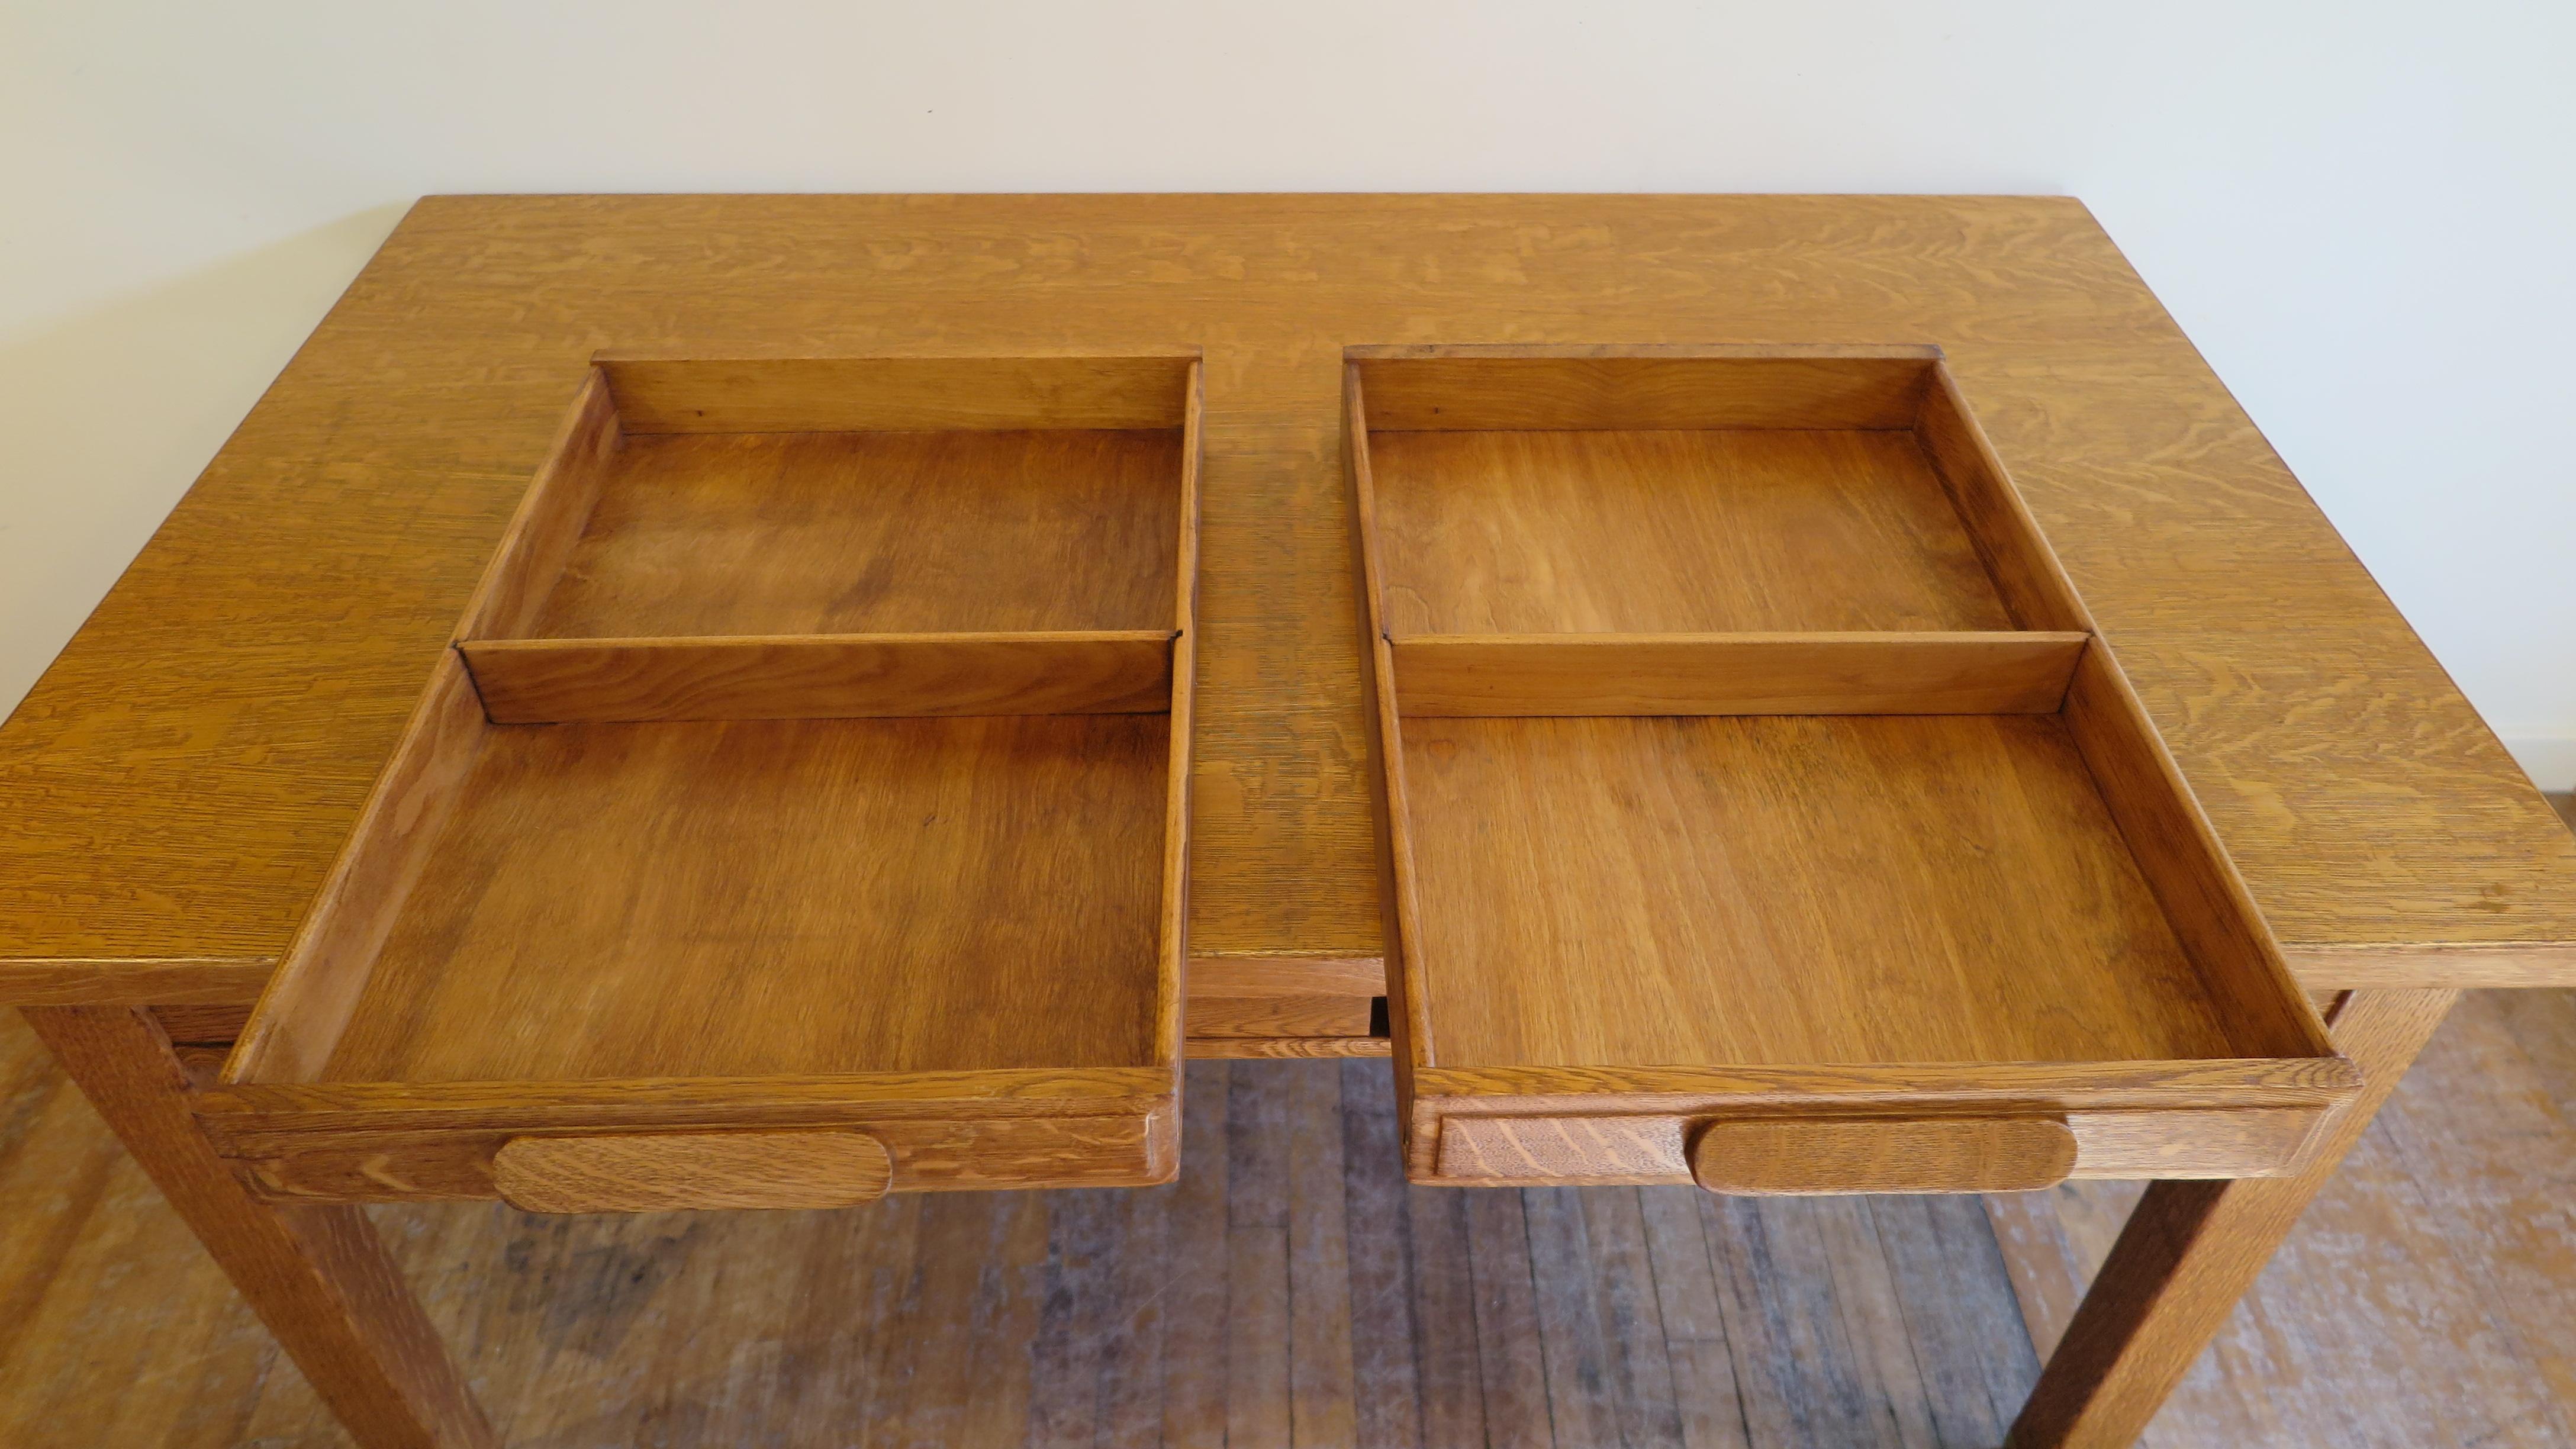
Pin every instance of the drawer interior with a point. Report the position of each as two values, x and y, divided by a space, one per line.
874 533
1741 890
1674 531
778 897
1748 757
813 757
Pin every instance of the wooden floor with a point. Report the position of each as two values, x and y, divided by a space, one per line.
1290 1289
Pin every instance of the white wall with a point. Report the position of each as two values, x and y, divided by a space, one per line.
2362 213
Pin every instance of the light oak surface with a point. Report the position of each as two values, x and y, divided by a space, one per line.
1901 672
817 896
744 883
1649 1147
875 533
455 1150
793 390
1788 890
658 1171
1897 1155
333 958
1671 532
1487 386
1731 877
1219 1018
181 778
820 676
201 750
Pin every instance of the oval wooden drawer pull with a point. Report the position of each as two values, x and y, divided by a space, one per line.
659 1171
1792 1155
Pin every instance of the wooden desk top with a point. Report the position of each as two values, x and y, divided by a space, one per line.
179 780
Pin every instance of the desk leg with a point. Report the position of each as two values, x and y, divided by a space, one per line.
2192 1249
317 1276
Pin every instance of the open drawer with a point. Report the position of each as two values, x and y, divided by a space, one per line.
1761 809
799 815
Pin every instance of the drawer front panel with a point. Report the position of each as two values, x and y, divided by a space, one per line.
1542 1150
923 1156
1539 1151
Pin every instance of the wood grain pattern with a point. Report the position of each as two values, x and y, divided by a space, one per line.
298 594
1172 929
1523 388
2204 900
1634 1147
1399 901
1294 1048
2225 703
2311 1083
232 1108
2255 1142
202 1025
875 533
541 536
2193 1248
157 837
661 1172
2414 966
1671 532
936 1153
790 393
1277 976
1649 860
1687 890
2397 1313
747 882
778 889
2398 1310
1210 1018
1809 1156
74 981
1921 672
2019 560
843 676
1540 1151
333 956
319 1277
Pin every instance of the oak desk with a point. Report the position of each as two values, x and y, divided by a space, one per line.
180 780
